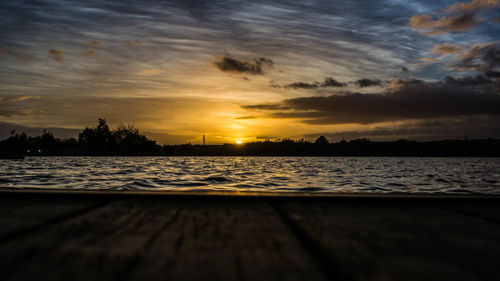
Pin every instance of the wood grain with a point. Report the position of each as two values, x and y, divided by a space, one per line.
397 241
115 236
163 240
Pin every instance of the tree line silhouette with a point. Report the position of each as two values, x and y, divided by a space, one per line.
128 141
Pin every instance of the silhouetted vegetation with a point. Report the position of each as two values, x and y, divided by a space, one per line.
97 141
128 141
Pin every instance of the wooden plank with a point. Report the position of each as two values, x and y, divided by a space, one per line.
226 240
486 210
163 240
19 216
99 245
388 240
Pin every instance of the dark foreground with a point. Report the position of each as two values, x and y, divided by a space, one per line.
108 236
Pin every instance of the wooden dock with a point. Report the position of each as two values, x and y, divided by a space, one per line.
143 236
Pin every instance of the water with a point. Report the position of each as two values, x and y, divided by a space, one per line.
275 174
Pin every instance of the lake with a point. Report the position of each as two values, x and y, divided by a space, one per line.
268 174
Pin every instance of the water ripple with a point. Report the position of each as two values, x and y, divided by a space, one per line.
276 174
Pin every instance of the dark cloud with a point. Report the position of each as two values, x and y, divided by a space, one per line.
480 57
473 6
303 85
404 69
444 128
57 55
468 81
368 83
268 106
258 66
417 100
397 84
459 23
432 26
328 82
456 17
493 74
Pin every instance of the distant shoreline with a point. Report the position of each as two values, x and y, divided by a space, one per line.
128 141
284 156
354 148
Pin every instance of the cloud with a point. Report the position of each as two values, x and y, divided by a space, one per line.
57 55
10 105
411 129
22 56
398 84
7 112
92 43
368 83
491 73
303 85
475 127
425 60
404 69
468 81
2 51
474 6
90 53
273 84
246 117
414 99
17 98
457 17
328 82
258 66
480 57
132 43
150 72
446 48
431 26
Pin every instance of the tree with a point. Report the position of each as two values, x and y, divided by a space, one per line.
321 140
98 140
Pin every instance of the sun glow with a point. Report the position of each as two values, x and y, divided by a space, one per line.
239 142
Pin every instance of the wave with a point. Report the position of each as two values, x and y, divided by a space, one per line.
293 174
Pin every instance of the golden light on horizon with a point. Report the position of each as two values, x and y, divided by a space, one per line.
239 142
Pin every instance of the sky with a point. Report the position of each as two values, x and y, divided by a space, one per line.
252 70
